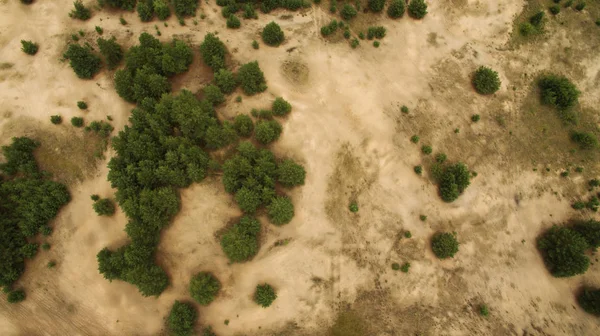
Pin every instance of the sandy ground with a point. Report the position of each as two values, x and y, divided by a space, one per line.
347 129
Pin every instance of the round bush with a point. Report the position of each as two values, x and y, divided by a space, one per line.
56 119
16 296
396 9
162 10
243 125
486 81
233 22
251 78
453 182
589 300
182 319
348 12
248 200
281 107
267 131
213 95
145 12
77 121
104 207
264 295
376 5
204 288
225 80
272 34
290 174
240 243
281 210
444 245
585 140
558 91
417 9
83 61
563 252
29 47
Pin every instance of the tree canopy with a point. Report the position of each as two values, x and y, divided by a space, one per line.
563 251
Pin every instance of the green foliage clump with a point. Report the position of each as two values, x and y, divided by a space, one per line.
162 10
354 43
45 246
249 12
251 78
405 267
395 266
414 139
102 128
77 121
29 203
264 295
589 300
267 131
563 251
16 296
453 182
281 210
537 21
554 9
185 7
590 231
440 158
233 22
80 11
281 107
348 12
558 91
376 32
585 140
29 250
329 28
204 287
240 242
111 51
486 81
418 170
225 80
213 95
580 6
56 119
290 174
376 5
84 62
145 11
353 207
104 207
475 117
28 47
396 9
182 318
82 105
243 125
128 5
426 149
99 30
255 44
272 34
444 245
484 310
417 9
376 44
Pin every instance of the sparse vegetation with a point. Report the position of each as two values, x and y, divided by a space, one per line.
233 22
28 47
376 32
264 295
405 267
486 81
585 140
558 91
329 28
484 310
204 288
77 121
353 207
414 139
182 318
444 245
348 11
554 9
475 118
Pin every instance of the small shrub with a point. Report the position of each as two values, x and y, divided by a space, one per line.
225 80
554 9
537 20
56 119
475 118
486 81
329 28
444 245
348 12
484 310
111 50
404 109
82 105
407 234
332 6
272 34
580 6
395 266
249 12
353 207
418 170
45 230
51 264
77 121
29 250
255 44
558 91
589 300
267 131
233 22
204 287
417 9
16 296
264 295
585 140
185 7
28 47
99 30
594 183
281 107
122 21
104 207
564 174
346 34
182 318
243 125
45 246
251 78
281 210
440 158
405 267
563 251
354 43
396 9
426 149
290 174
527 29
423 218
83 61
376 44
414 139
80 12
376 32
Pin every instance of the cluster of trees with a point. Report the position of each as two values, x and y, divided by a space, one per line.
266 6
148 8
29 203
329 28
486 81
453 181
563 248
444 245
534 25
585 140
148 66
376 32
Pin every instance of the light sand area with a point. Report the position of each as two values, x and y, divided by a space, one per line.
347 129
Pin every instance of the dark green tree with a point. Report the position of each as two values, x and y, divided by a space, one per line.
272 34
84 62
185 7
348 11
444 245
251 78
558 91
281 210
396 9
240 242
213 52
182 318
204 287
264 295
267 131
290 174
454 180
417 9
145 11
281 107
589 300
213 95
486 81
243 125
225 80
111 51
563 251
29 47
162 10
376 5
16 296
80 12
104 207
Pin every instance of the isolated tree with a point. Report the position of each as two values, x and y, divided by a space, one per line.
80 12
417 9
376 5
56 119
225 80
281 107
251 78
486 81
563 251
267 131
104 207
29 47
213 52
264 295
240 243
16 296
290 174
182 318
453 182
204 288
348 12
84 62
281 210
558 91
589 300
444 245
272 34
243 125
396 9
111 50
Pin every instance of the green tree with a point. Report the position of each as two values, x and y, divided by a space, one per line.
29 47
486 81
281 107
56 119
240 242
251 78
558 91
589 300
29 250
281 210
104 207
182 318
83 61
272 34
290 174
563 251
590 231
267 131
264 295
376 5
145 11
585 140
348 11
396 9
111 51
16 296
225 80
213 95
233 22
243 125
204 287
185 7
80 12
454 180
77 121
444 245
417 9
213 52
162 10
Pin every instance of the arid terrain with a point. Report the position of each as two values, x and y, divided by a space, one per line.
331 267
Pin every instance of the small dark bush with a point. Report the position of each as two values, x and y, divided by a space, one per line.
251 78
182 318
422 218
396 9
585 140
563 251
225 80
16 296
29 47
418 170
554 9
589 300
233 22
353 207
395 266
590 231
45 246
82 105
348 12
579 205
527 29
440 158
240 243
281 210
249 12
376 44
414 139
99 30
243 125
83 61
56 119
376 32
417 9
281 107
204 287
329 28
162 10
77 121
376 5
580 6
346 34
264 295
272 34
453 182
405 267
354 43
80 12
444 245
267 131
104 207
484 310
486 81
537 20
145 11
558 91
426 149
475 118
29 250
255 44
